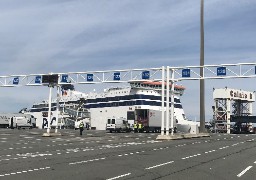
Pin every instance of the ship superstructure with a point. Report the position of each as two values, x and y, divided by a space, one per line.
140 102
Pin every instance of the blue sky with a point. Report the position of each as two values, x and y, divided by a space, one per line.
86 35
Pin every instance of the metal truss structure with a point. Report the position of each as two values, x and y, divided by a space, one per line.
90 77
242 108
220 115
164 74
221 71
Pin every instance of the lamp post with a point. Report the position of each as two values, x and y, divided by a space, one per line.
202 86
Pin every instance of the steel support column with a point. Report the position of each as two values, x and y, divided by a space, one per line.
167 100
163 88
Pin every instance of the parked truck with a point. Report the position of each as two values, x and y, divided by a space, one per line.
10 120
117 124
20 122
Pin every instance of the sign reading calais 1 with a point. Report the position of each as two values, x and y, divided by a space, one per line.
234 94
241 94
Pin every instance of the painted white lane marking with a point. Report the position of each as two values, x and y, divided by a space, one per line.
159 165
25 171
91 160
244 171
123 175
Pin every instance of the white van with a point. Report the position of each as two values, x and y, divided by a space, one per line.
118 125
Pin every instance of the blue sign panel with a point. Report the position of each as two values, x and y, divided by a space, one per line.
221 71
117 76
145 75
185 72
64 78
15 81
89 77
38 79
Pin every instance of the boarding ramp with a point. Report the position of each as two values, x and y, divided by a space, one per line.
231 105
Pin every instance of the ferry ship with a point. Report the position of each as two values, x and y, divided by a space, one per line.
139 102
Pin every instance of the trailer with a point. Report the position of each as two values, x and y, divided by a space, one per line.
150 120
4 120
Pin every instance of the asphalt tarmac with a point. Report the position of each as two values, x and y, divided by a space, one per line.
97 155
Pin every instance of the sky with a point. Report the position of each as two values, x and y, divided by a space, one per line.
86 35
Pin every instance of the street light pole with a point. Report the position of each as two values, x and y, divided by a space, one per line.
202 86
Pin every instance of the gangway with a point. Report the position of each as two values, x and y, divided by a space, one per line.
231 103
